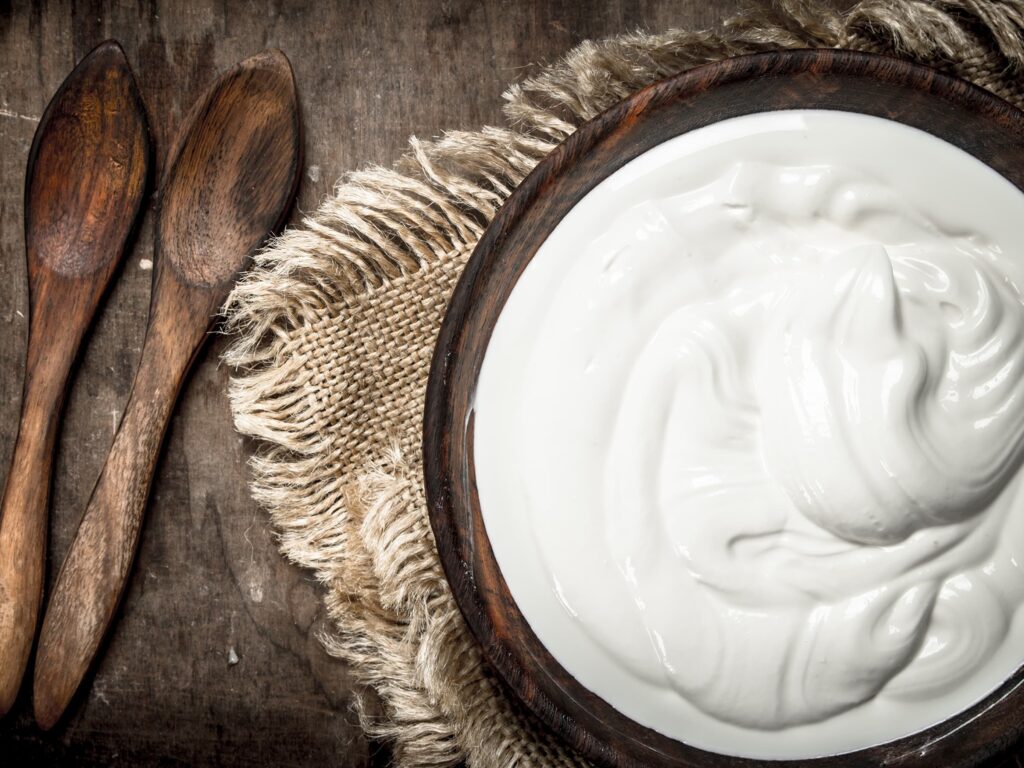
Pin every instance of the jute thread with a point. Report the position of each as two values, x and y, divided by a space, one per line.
335 324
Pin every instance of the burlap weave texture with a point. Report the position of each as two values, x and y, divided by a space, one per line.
335 325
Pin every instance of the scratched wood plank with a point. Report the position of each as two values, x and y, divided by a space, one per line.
209 585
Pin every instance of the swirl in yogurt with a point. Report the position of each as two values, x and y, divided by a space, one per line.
766 420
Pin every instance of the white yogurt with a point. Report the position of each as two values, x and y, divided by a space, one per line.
749 429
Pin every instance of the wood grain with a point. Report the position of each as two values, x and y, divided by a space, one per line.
954 110
87 172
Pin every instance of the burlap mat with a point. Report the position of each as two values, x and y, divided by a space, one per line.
336 323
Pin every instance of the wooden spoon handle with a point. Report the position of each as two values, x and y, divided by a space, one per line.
25 506
23 517
93 577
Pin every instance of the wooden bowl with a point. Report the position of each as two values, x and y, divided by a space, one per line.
954 110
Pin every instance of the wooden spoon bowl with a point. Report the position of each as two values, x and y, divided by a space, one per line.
951 109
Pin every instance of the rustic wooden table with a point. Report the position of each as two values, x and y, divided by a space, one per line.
215 658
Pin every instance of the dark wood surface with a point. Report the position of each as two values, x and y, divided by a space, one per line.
209 587
962 114
230 183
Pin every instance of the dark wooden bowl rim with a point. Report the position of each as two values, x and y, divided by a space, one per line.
952 109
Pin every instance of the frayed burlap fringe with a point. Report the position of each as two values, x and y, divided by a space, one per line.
334 329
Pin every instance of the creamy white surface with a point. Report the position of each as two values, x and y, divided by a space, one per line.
748 434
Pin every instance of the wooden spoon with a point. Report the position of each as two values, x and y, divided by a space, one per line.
232 177
84 187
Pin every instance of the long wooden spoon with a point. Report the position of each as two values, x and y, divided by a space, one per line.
232 177
84 187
